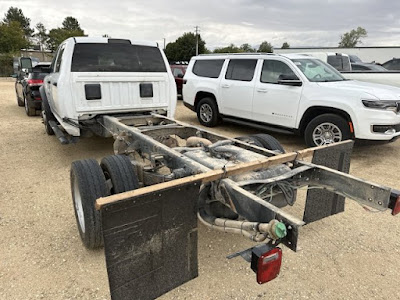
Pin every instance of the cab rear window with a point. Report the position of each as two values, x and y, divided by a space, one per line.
339 62
116 57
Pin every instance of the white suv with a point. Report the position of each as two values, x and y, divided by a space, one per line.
290 93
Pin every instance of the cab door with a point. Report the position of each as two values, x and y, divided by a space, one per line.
236 88
276 102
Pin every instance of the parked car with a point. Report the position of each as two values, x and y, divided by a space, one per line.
22 67
393 64
27 87
32 98
360 66
178 70
290 93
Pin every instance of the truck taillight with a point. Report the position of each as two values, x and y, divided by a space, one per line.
35 82
267 265
396 208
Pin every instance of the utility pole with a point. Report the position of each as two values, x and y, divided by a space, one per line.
197 40
164 44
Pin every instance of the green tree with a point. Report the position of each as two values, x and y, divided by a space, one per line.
70 28
184 47
285 45
265 47
15 14
229 49
246 48
352 38
12 37
71 24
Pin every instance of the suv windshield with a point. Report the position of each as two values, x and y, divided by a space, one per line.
317 71
116 57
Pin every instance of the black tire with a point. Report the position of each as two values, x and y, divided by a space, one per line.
88 184
207 112
46 113
269 142
119 170
337 129
20 101
30 111
250 140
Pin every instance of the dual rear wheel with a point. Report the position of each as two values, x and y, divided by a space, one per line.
90 181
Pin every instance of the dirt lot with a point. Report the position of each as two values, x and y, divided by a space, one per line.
354 255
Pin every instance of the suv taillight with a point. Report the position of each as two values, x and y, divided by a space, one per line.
35 82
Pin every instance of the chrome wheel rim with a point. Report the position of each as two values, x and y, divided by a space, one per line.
326 133
206 113
78 205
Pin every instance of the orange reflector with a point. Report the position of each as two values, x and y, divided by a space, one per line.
269 265
351 127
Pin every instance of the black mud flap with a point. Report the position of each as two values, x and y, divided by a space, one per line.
150 242
322 203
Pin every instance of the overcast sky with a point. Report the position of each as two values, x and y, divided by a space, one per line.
300 23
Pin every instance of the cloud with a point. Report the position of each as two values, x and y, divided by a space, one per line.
300 23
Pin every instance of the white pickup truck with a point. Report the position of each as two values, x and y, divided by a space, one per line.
92 77
292 93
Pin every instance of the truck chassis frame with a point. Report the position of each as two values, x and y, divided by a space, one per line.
141 252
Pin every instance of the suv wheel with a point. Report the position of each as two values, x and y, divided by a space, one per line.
30 111
326 129
207 112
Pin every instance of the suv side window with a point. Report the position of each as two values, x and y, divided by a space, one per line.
241 69
59 59
273 70
208 67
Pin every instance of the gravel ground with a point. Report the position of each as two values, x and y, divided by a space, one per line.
353 255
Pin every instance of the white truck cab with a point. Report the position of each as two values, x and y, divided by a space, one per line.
91 77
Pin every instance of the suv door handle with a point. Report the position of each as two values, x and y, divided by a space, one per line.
225 85
262 90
